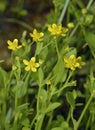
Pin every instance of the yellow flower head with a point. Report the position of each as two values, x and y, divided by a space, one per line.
57 30
70 25
72 62
84 11
13 45
31 65
37 37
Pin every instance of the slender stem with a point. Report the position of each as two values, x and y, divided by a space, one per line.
39 122
33 121
65 85
83 112
89 4
49 121
47 45
40 116
63 12
38 99
56 46
69 115
74 30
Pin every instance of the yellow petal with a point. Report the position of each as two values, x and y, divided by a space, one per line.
34 31
37 64
33 59
9 42
26 62
19 47
27 68
33 69
15 41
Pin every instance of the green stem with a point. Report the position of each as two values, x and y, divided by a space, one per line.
38 99
63 12
65 85
39 122
16 96
89 4
49 121
47 45
74 30
56 46
83 112
69 115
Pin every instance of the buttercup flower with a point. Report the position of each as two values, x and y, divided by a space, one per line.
13 45
57 30
31 65
72 62
70 25
37 37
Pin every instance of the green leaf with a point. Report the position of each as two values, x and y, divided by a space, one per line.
71 51
92 108
57 128
26 128
25 122
65 125
22 107
90 39
3 77
8 116
70 99
59 72
38 48
43 95
52 106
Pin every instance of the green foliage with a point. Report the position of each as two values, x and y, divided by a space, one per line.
90 38
17 9
51 88
3 5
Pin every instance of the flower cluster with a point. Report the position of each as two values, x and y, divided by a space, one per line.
72 62
13 45
31 65
57 30
37 37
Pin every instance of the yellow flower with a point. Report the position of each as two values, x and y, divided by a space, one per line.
84 11
70 25
72 62
57 30
13 45
37 37
31 65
